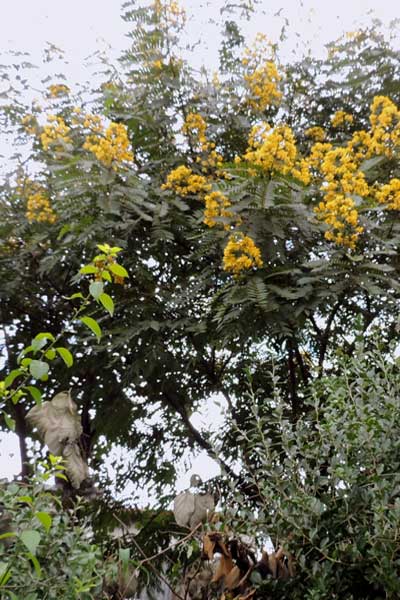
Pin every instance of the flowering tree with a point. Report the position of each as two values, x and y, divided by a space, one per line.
257 210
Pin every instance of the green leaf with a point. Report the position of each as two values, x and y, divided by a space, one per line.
9 380
31 539
76 295
5 573
93 326
45 336
88 269
9 534
35 563
106 276
107 302
9 421
96 289
104 247
27 499
64 229
50 354
39 369
35 393
118 270
124 555
45 519
38 344
66 356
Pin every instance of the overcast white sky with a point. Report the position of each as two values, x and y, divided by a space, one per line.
81 27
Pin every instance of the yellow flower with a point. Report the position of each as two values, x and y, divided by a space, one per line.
111 147
272 149
385 127
316 133
57 90
241 254
55 135
216 208
261 75
38 207
390 194
183 181
195 128
341 118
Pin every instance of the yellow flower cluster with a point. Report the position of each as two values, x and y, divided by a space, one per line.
241 254
216 208
385 127
29 123
171 13
341 180
261 76
195 127
273 150
301 171
38 207
55 135
111 147
341 119
92 122
390 194
184 181
315 133
57 90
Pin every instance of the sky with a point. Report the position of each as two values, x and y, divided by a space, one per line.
82 27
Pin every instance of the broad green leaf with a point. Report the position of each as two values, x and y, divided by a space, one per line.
50 354
45 519
65 355
9 380
38 369
25 362
118 270
104 247
27 499
31 539
45 336
93 325
107 302
96 289
38 344
106 276
124 555
88 269
35 393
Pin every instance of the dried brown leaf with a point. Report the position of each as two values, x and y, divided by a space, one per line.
208 547
225 566
232 579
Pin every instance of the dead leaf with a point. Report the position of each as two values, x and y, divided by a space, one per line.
225 566
233 578
208 547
